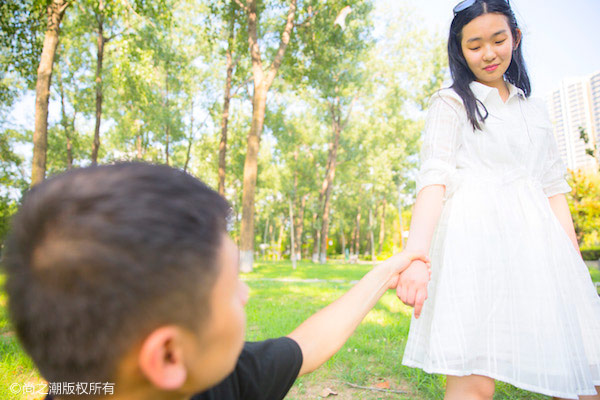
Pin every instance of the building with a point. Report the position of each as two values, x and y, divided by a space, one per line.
572 106
595 100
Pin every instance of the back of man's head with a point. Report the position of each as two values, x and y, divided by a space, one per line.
99 257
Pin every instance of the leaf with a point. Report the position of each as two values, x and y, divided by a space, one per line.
327 392
382 385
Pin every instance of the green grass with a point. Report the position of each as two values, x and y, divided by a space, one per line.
15 365
307 270
374 352
276 307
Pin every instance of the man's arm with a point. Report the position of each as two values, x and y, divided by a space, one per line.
560 207
324 333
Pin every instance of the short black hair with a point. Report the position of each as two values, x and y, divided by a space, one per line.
99 257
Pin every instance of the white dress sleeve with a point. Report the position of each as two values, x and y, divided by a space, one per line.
554 170
553 178
441 140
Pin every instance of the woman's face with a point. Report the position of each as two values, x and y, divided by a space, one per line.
487 45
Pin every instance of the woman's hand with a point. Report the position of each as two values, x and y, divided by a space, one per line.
412 285
399 262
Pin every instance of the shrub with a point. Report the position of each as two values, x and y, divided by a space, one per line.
591 254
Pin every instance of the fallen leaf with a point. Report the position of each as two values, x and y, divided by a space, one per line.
327 392
383 385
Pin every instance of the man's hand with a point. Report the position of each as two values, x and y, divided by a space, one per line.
412 285
399 262
324 333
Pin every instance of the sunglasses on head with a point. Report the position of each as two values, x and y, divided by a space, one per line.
463 5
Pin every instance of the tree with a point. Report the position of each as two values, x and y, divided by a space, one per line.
592 148
12 178
22 26
262 83
339 53
584 206
233 53
55 12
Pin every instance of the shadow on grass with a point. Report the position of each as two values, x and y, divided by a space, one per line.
372 353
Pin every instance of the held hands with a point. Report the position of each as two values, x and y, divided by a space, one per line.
399 262
409 273
412 285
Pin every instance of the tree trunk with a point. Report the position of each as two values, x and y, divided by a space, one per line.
343 243
292 241
371 235
280 242
357 237
168 121
70 142
331 164
300 227
316 231
400 220
226 99
190 139
262 83
138 144
101 40
250 172
382 226
55 12
64 120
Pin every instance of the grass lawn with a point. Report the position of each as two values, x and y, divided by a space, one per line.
281 298
15 365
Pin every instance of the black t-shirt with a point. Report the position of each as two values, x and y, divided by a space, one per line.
264 371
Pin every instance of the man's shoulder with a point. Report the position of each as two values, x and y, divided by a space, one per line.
266 369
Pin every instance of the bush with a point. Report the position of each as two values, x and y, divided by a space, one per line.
591 254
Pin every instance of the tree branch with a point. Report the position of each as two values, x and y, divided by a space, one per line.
253 43
352 385
242 6
130 7
308 19
343 124
285 40
238 87
64 7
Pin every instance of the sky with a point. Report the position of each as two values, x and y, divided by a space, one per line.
561 38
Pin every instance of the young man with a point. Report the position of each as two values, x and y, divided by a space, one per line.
124 274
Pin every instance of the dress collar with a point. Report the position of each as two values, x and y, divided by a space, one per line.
482 91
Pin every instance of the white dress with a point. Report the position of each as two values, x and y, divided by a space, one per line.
509 297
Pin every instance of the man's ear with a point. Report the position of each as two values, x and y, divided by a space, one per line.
517 40
161 358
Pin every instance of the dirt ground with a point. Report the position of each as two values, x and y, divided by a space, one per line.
317 390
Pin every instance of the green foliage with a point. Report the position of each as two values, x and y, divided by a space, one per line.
22 25
584 206
12 179
162 83
591 254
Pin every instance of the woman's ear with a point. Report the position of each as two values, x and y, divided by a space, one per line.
161 358
517 39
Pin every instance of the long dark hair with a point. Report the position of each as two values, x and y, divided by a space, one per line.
462 75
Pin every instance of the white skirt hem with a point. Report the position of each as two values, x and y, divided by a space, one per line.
499 377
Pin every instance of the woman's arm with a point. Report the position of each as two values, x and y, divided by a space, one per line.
560 207
412 285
